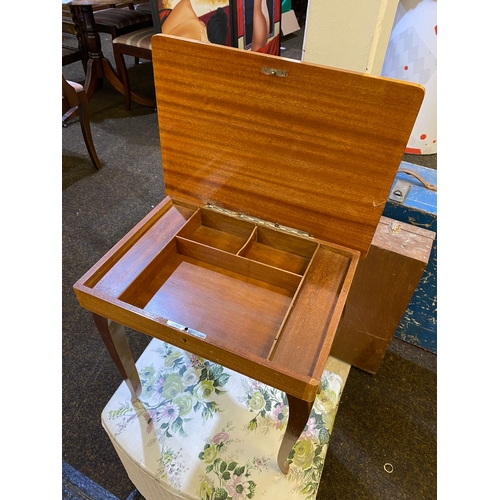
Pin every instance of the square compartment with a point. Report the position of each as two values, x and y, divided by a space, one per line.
278 249
217 230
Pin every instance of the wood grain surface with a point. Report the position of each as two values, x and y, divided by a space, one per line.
316 150
380 293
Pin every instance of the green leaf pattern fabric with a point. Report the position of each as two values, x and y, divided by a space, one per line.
206 432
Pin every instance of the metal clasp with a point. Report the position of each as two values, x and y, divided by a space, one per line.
400 191
274 72
185 329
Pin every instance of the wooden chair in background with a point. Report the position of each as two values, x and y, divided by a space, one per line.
74 98
138 45
73 48
115 19
121 18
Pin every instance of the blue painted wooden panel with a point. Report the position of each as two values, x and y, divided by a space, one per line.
419 323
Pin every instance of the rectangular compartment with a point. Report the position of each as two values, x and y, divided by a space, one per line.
138 249
223 296
315 315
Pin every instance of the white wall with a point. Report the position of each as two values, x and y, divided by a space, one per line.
349 34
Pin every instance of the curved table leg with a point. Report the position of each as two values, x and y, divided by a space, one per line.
298 415
114 337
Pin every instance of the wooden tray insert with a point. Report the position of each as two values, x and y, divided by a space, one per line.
227 279
234 283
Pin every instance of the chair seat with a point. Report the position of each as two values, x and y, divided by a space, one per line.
71 55
144 7
200 430
140 39
120 19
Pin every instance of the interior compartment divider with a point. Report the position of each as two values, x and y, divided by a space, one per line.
290 308
239 265
251 239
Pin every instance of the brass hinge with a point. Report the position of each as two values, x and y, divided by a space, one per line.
259 222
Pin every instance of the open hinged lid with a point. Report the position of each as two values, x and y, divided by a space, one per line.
301 145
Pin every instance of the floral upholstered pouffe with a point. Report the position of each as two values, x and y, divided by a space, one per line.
201 431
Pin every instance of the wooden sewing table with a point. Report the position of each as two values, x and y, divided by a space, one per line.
98 66
276 174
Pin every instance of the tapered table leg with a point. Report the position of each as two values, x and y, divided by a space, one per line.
298 415
114 337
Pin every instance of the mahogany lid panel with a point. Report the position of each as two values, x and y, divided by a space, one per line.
316 150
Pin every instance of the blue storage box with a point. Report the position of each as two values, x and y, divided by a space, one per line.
412 202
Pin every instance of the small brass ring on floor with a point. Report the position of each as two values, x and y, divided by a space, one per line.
388 468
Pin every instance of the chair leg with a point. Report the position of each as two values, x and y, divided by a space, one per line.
83 112
123 74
